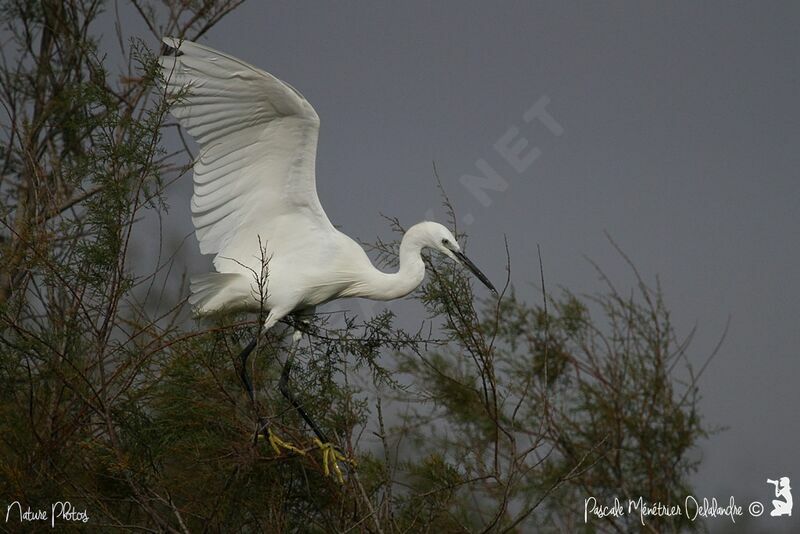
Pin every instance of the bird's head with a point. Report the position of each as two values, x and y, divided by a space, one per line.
438 237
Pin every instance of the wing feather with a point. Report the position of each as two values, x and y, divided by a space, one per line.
258 142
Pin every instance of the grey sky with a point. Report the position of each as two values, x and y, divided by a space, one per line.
681 133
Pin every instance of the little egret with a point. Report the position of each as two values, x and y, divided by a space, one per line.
255 197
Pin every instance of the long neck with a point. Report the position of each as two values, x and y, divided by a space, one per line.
378 285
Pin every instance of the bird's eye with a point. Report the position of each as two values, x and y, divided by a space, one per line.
445 241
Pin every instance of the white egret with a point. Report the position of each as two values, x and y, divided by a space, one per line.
255 197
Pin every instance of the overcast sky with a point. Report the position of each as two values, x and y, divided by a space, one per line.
674 129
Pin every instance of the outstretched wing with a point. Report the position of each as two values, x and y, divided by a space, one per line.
258 143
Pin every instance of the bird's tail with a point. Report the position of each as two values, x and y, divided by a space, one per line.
216 292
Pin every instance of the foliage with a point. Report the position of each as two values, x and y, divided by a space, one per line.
500 417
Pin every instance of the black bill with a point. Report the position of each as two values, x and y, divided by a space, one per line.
477 272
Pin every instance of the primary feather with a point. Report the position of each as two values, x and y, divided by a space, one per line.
254 176
258 142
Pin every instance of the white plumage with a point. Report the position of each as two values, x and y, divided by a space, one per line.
254 182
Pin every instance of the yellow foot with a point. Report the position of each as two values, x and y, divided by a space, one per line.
278 444
332 457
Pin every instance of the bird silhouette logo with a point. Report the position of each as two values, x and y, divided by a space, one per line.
783 491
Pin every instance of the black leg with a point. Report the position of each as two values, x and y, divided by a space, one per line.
249 386
283 386
243 372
